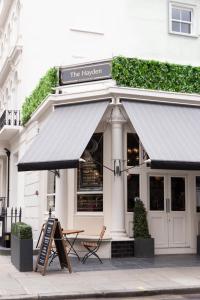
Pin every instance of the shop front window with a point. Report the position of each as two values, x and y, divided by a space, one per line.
132 149
90 177
133 190
51 190
198 193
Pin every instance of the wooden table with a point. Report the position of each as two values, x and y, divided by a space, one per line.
71 240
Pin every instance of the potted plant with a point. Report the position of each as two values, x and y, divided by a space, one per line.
22 247
143 243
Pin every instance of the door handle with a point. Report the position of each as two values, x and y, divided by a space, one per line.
167 205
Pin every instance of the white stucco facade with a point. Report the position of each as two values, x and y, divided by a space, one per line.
36 35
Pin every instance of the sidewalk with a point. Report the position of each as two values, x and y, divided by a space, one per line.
117 277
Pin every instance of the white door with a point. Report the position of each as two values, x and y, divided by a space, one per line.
167 210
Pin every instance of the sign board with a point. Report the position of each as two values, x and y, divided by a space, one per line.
85 73
52 232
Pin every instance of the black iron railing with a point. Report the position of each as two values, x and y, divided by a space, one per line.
3 201
10 117
7 218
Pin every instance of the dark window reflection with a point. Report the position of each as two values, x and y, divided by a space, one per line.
90 176
198 192
132 149
88 202
156 192
177 193
90 173
133 186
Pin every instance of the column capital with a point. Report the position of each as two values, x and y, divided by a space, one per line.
117 116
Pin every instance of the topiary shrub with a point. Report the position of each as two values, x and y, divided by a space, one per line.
21 231
140 228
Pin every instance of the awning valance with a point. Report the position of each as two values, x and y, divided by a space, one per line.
169 133
63 137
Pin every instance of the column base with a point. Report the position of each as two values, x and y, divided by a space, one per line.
118 234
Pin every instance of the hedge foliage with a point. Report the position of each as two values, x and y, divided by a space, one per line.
22 230
150 74
44 87
140 228
129 72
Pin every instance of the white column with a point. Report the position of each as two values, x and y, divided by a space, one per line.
61 198
118 208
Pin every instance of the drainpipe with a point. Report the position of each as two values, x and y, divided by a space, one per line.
8 176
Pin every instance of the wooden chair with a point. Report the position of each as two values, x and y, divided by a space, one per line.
93 247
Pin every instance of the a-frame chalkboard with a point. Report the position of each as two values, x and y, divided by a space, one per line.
52 232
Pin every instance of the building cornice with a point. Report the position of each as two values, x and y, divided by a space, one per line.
109 90
9 62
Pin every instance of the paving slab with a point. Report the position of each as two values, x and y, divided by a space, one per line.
113 278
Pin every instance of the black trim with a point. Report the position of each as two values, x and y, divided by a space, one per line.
48 165
174 165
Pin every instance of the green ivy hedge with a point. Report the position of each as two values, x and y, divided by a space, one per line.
150 74
21 230
46 83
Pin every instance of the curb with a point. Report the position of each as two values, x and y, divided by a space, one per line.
106 294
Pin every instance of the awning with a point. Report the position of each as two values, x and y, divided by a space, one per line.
169 133
63 137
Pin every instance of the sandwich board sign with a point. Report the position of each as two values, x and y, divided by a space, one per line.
52 232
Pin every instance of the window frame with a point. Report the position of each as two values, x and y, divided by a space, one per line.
187 7
90 192
50 194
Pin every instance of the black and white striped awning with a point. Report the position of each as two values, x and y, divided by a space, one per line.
63 137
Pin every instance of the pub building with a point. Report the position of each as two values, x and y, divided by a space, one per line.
99 145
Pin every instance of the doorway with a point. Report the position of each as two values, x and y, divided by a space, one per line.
168 210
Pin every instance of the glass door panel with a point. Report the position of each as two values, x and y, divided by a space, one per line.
177 193
156 188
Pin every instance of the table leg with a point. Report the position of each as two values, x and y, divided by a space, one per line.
71 249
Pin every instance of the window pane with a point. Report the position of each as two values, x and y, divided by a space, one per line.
176 14
90 173
133 186
51 182
132 149
156 193
51 202
176 26
198 193
186 15
185 28
88 202
177 193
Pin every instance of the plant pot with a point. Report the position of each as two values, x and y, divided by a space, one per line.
144 247
22 253
198 244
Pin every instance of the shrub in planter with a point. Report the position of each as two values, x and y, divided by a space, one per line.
22 247
143 243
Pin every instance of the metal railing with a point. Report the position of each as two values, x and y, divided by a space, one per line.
10 117
3 201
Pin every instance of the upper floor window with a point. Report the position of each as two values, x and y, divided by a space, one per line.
181 20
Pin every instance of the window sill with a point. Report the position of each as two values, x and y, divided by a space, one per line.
89 214
184 34
91 192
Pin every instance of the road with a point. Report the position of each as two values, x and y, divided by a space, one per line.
160 297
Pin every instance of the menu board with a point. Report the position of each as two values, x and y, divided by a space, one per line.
45 245
52 231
